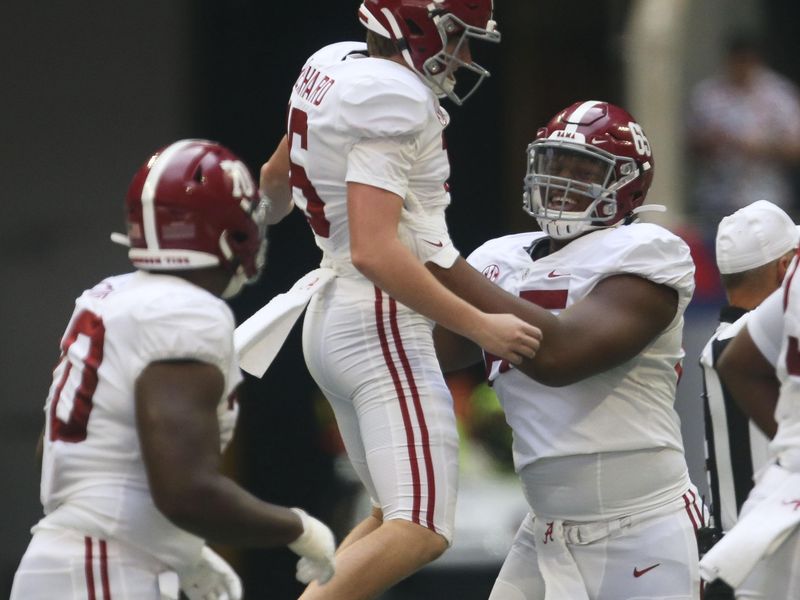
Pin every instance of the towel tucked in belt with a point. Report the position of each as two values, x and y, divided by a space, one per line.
259 338
562 579
769 516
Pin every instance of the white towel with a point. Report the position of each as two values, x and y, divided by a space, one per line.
773 513
168 586
259 338
562 579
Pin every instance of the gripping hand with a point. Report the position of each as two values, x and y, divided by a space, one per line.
315 546
210 579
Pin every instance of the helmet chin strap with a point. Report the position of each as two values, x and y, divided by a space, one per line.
561 230
649 208
442 84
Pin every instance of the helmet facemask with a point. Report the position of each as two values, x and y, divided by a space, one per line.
439 71
420 28
234 245
572 188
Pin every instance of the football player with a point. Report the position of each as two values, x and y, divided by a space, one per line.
364 158
758 557
143 401
597 442
754 247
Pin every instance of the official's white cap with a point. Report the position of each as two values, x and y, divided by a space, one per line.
754 236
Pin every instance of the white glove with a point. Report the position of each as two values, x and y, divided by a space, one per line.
315 546
210 579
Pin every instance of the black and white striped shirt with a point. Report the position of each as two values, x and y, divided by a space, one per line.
735 447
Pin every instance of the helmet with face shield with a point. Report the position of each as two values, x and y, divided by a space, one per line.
433 37
589 168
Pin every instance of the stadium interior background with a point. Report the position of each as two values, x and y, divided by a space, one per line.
91 89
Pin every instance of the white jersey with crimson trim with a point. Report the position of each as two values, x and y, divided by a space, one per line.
778 318
93 477
629 407
354 118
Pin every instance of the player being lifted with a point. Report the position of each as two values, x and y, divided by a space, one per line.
365 159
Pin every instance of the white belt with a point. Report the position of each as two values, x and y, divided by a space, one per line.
562 578
587 533
591 532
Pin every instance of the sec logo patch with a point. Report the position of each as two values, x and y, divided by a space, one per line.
492 272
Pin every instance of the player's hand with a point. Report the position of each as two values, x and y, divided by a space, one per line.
509 337
210 579
308 570
315 546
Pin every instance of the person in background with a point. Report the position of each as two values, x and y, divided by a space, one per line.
744 131
143 401
597 441
754 247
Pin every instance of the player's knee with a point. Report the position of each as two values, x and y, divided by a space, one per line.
435 544
428 545
377 514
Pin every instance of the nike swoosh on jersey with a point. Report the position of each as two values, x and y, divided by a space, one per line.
555 273
438 244
638 573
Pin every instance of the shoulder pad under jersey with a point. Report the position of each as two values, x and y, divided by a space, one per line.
384 99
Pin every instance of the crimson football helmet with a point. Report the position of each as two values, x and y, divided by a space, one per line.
421 29
589 168
193 205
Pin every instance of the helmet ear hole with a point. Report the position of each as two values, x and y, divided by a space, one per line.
414 29
240 237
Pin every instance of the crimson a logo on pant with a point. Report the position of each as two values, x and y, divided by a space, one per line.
549 532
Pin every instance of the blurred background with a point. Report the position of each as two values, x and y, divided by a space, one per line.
90 90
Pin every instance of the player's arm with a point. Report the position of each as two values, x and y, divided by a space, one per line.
378 253
274 183
454 351
750 379
176 418
612 324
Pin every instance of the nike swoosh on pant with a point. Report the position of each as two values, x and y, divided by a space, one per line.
639 573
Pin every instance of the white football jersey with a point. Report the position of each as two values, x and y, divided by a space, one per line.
766 327
353 118
629 407
93 477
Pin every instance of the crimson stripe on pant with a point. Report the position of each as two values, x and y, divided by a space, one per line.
696 517
423 426
695 513
689 500
89 568
403 400
104 570
87 542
